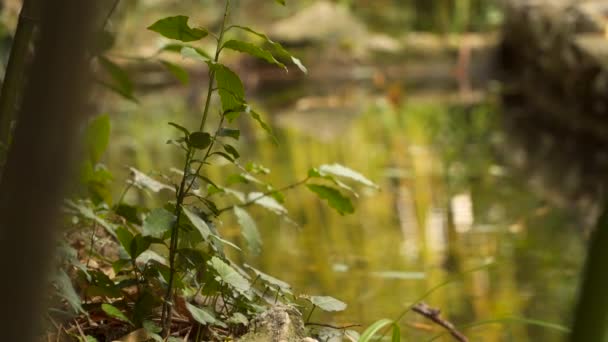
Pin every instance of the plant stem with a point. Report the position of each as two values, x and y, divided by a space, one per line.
218 49
167 310
310 314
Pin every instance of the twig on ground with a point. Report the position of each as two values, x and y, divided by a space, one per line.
434 315
80 331
333 326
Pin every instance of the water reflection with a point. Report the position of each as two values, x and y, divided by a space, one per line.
447 204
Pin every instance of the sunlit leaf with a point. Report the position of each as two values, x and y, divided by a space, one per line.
198 223
334 198
267 202
195 54
144 181
327 303
158 222
342 171
114 312
249 230
199 140
238 318
97 137
201 315
257 168
67 291
232 133
88 213
230 276
257 117
352 335
315 173
274 282
276 46
177 71
253 50
299 64
177 28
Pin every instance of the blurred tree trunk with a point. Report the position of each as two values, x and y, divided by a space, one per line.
39 161
16 69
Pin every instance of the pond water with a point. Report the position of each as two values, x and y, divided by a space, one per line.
449 210
447 205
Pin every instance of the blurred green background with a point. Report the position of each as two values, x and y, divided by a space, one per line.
402 91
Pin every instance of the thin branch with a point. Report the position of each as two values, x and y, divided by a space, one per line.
265 194
109 15
344 327
434 315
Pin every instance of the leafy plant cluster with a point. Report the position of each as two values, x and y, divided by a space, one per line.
173 262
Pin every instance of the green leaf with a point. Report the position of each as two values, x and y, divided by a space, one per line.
177 71
201 315
194 53
257 117
334 198
128 212
352 335
88 213
396 333
342 171
257 168
114 312
125 238
198 223
373 329
144 181
223 155
230 276
249 230
67 291
238 318
177 28
233 152
158 222
267 202
252 50
98 137
276 46
199 140
120 81
285 287
231 133
281 2
327 303
230 87
181 128
140 244
315 173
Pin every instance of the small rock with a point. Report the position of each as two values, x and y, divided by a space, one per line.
281 323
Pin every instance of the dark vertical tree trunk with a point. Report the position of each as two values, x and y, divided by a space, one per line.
16 69
38 163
